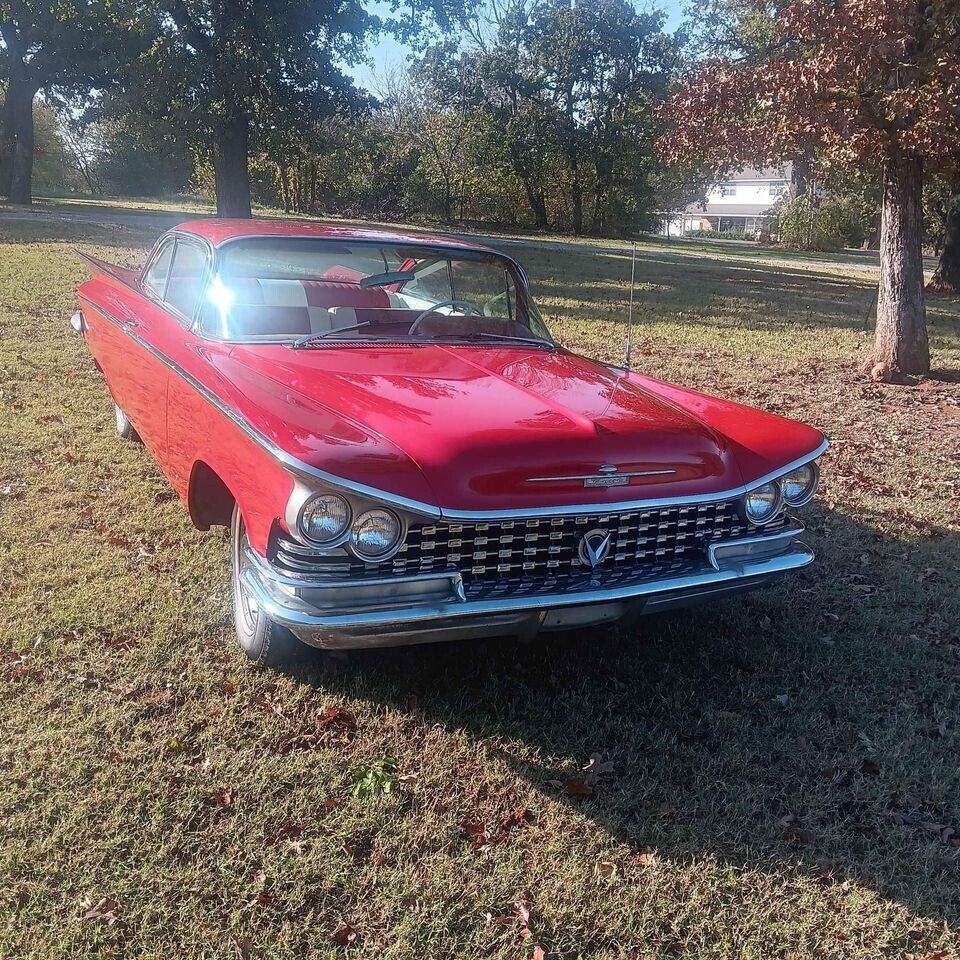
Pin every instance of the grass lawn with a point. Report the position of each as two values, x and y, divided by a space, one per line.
781 771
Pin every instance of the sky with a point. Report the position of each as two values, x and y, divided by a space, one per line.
387 53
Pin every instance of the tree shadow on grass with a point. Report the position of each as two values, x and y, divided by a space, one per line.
762 297
77 232
808 728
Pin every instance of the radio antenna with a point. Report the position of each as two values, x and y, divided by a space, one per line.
633 277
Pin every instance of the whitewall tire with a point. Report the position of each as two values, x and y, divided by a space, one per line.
260 638
124 427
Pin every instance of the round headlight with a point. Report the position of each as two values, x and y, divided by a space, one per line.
325 519
800 485
375 534
762 504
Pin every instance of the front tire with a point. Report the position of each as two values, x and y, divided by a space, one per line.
124 427
260 638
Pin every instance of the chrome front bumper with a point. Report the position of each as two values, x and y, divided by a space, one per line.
427 608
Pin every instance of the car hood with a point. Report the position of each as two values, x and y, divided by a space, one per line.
475 428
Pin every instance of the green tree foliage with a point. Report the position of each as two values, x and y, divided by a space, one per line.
236 77
60 48
743 29
567 90
134 155
226 74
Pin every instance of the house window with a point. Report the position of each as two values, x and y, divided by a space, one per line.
728 190
778 189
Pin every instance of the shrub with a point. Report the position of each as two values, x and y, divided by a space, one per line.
826 224
720 234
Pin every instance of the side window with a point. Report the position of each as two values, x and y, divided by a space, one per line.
186 277
156 276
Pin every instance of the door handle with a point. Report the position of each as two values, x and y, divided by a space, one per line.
130 322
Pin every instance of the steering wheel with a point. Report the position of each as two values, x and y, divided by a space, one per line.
468 305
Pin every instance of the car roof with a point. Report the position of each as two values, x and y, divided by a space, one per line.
218 231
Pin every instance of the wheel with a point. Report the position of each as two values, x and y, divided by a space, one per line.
124 426
260 638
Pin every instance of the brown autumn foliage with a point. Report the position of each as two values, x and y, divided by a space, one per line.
857 84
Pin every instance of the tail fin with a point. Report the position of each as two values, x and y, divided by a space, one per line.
124 275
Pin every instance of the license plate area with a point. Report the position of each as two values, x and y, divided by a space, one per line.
588 615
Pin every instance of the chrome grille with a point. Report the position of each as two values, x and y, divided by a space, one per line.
536 548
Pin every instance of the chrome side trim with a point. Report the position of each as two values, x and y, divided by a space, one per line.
270 572
295 466
300 469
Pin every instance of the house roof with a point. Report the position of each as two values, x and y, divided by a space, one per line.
783 171
730 209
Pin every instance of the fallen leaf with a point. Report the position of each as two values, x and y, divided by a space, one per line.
337 717
645 858
595 768
222 798
345 936
577 787
287 830
870 768
105 910
484 834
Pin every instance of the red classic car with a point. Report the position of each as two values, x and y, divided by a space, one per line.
403 453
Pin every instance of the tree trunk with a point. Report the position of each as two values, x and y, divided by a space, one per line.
7 140
231 147
604 166
800 178
946 279
16 180
538 206
901 346
284 178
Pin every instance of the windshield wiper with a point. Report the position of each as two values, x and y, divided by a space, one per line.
484 335
310 337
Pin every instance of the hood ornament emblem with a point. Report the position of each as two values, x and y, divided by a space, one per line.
595 546
606 476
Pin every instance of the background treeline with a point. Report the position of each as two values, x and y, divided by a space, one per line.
529 113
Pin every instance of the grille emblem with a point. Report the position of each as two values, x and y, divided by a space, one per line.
595 547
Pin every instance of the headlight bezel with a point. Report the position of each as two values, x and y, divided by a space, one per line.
390 551
777 504
306 492
341 536
814 467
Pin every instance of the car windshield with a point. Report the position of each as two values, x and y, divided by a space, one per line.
313 291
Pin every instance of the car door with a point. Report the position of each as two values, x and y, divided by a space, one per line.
164 317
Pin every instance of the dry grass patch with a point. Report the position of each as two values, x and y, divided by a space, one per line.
779 772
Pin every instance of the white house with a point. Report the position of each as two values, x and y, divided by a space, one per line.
744 201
